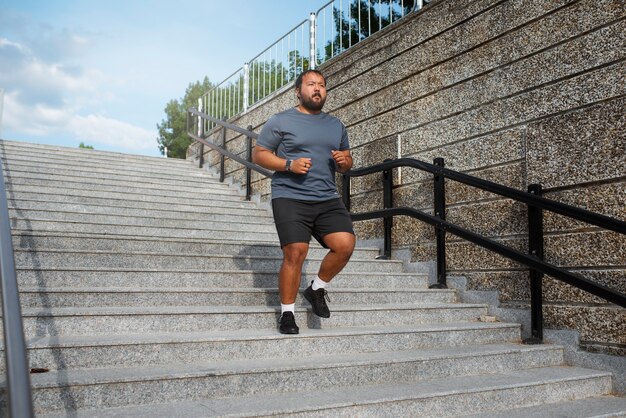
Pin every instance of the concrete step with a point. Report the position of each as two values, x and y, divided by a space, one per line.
441 397
120 320
86 197
60 185
114 387
24 207
64 259
161 169
208 221
186 278
593 407
75 352
29 169
45 154
126 199
198 231
119 297
147 244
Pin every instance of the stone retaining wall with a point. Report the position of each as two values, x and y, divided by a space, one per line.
517 92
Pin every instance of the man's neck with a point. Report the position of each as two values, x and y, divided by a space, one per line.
308 111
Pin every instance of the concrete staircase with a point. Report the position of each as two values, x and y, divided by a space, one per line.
148 288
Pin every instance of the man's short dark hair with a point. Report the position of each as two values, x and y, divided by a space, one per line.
301 76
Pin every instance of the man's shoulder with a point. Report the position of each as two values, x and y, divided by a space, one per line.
285 113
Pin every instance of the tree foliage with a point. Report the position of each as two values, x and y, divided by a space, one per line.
366 18
82 145
173 129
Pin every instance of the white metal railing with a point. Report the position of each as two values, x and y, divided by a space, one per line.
333 29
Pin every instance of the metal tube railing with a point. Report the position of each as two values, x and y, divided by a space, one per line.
333 29
17 373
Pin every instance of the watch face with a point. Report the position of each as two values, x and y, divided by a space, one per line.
288 165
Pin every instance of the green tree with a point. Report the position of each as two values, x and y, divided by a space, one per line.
173 129
82 145
370 18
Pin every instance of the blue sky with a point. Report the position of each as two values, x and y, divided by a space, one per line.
101 72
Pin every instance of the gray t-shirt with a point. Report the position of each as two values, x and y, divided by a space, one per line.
291 135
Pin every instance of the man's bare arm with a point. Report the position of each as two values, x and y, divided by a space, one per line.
267 159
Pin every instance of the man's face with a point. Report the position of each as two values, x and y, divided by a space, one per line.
312 93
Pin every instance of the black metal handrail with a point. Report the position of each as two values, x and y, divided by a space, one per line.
535 203
18 389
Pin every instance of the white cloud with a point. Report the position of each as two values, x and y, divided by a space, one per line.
93 129
62 98
101 130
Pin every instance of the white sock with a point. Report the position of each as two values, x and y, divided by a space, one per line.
319 284
287 308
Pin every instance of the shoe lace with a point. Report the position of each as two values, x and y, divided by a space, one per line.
323 293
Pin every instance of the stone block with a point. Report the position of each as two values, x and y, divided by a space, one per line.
462 255
606 199
586 249
491 219
602 324
581 146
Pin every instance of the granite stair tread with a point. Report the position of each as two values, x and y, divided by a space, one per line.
448 396
596 407
285 363
165 310
258 334
118 350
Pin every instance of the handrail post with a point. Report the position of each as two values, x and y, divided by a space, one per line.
222 156
345 191
248 170
387 220
535 247
200 121
440 212
246 86
312 46
19 398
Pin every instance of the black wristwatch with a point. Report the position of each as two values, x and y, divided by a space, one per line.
288 165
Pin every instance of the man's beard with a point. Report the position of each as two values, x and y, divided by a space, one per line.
312 105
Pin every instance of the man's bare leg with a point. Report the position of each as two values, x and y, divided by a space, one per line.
290 273
341 246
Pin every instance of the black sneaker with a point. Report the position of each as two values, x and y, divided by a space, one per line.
316 299
288 324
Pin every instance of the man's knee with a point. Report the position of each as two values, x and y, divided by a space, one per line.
341 243
295 253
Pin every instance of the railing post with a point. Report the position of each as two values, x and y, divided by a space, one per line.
312 59
246 86
201 156
200 122
535 247
248 170
440 233
345 191
387 220
222 156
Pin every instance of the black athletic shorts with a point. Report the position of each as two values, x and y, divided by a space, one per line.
298 220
